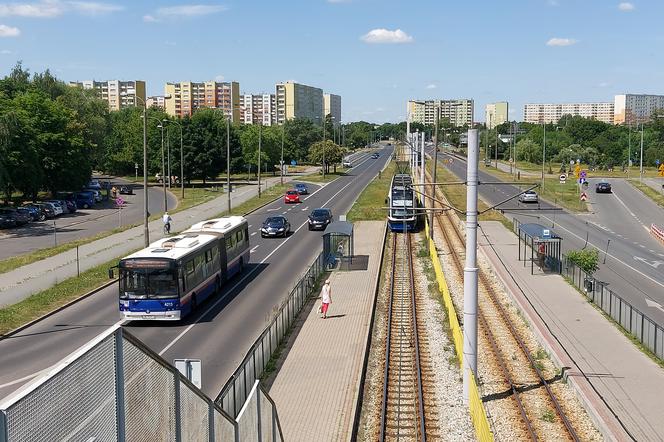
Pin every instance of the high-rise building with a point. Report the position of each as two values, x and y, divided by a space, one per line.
156 101
296 100
119 94
636 108
457 112
496 114
259 109
187 97
333 107
552 112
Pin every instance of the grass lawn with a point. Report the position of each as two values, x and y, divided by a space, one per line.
371 202
657 197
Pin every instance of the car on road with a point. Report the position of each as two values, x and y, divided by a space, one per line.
347 163
126 190
529 196
375 156
320 218
302 189
603 187
19 218
85 200
292 196
275 226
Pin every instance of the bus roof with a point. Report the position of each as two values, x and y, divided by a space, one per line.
217 226
174 247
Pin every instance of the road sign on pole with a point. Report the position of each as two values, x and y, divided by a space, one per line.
563 178
583 196
661 170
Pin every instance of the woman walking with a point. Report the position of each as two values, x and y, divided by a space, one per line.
326 298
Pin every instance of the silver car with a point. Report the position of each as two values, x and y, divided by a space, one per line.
529 196
55 207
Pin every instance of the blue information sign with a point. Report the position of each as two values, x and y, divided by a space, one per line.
293 162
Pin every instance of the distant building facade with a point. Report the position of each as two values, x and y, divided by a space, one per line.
552 112
636 108
333 107
496 114
296 100
119 94
458 112
259 109
187 97
156 101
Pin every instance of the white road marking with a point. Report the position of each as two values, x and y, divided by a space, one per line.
628 209
253 233
253 249
272 210
305 209
186 330
285 212
250 226
654 264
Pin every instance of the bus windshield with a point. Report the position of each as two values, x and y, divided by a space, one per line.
148 284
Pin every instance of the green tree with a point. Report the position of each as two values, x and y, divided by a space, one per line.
586 259
331 152
528 150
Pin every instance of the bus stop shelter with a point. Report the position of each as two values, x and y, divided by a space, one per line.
545 247
338 244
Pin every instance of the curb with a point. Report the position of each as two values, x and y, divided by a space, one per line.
62 307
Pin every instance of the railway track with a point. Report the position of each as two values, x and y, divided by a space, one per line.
534 402
405 413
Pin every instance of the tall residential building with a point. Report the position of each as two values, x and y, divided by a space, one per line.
119 94
156 101
296 100
187 97
458 112
636 108
259 109
496 114
333 107
552 112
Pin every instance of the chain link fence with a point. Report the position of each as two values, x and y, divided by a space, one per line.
644 329
236 391
114 388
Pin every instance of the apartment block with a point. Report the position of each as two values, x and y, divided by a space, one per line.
296 100
187 97
156 101
552 112
119 94
636 108
259 109
458 112
332 105
496 114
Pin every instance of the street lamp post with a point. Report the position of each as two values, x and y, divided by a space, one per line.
543 156
323 145
181 156
163 167
260 140
168 159
435 168
228 161
281 161
641 159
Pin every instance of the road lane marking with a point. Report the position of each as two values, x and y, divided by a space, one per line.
305 209
253 249
253 233
285 212
272 210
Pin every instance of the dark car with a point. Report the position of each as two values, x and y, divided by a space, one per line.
37 212
18 217
603 187
47 209
69 199
7 221
301 189
126 190
85 200
319 219
275 226
29 214
375 156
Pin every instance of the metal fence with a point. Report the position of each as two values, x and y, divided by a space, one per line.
114 388
650 334
238 387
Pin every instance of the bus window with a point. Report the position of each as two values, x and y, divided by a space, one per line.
189 266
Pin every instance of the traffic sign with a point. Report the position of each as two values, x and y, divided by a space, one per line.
585 184
661 170
577 171
546 233
584 174
119 201
583 196
293 162
582 180
657 162
563 178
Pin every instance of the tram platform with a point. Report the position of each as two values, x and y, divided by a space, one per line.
316 390
619 385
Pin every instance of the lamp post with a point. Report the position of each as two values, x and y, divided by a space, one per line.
181 156
281 161
324 145
629 147
163 167
543 156
260 140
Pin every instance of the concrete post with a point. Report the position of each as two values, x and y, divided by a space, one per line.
470 270
422 159
407 120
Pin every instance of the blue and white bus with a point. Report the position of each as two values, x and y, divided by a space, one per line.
168 279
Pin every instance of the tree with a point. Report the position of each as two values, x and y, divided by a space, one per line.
331 152
528 150
586 259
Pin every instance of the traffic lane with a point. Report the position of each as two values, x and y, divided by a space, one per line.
84 223
224 335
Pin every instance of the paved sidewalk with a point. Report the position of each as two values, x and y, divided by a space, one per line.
317 387
32 278
656 184
618 384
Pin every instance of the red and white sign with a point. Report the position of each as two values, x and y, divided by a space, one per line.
119 202
657 232
584 196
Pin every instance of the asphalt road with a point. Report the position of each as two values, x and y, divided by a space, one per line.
84 223
634 266
224 328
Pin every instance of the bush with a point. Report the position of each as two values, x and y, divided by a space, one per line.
587 260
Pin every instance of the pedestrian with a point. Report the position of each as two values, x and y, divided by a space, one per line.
167 223
114 191
541 251
326 298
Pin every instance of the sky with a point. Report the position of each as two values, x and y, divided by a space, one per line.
376 54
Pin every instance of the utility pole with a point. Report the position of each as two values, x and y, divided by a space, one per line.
629 147
641 160
146 229
470 269
281 162
543 156
228 160
435 169
260 140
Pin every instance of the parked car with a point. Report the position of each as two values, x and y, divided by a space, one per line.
94 184
302 189
603 187
60 205
6 221
57 208
29 214
18 217
319 219
97 193
37 212
275 226
48 209
529 196
126 190
292 197
85 200
70 200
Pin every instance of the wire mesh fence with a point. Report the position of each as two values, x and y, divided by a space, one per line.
114 388
237 389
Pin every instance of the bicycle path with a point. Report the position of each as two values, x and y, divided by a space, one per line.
27 280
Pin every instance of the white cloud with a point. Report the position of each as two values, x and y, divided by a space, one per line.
5 52
626 6
386 36
55 8
561 42
174 12
553 3
431 86
8 31
219 78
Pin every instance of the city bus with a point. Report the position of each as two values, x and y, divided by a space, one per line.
168 279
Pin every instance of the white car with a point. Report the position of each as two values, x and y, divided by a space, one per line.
55 206
347 163
529 196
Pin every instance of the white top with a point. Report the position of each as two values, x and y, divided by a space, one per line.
166 218
326 294
174 247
